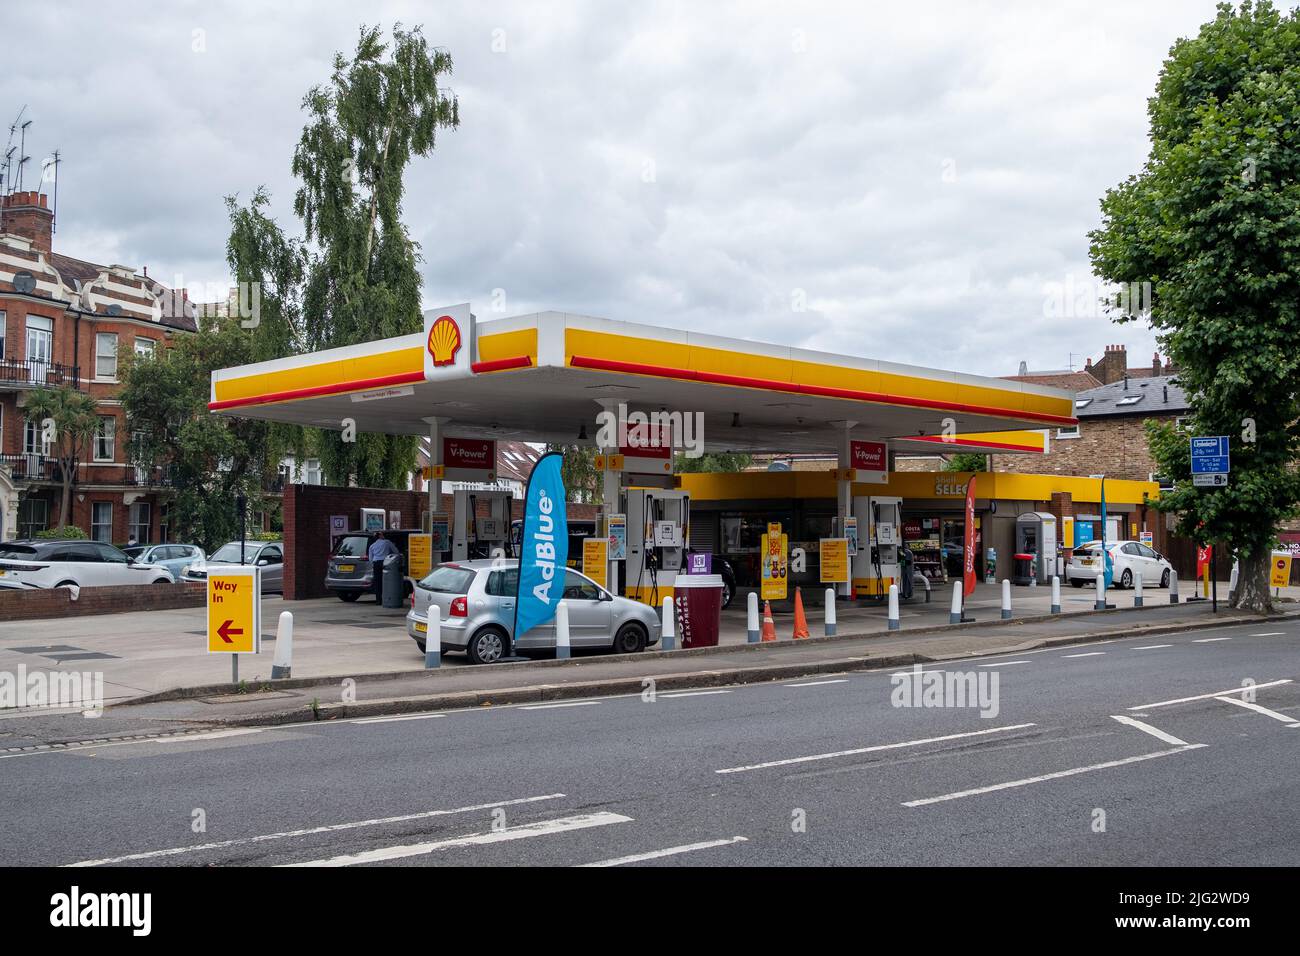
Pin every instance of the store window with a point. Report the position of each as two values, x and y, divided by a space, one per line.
105 438
33 516
101 521
141 513
106 355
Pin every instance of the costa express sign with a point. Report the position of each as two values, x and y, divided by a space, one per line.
475 453
869 455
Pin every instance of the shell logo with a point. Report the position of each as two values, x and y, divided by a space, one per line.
444 340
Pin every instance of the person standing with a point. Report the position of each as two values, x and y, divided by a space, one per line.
380 549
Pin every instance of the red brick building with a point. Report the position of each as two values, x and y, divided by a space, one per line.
64 321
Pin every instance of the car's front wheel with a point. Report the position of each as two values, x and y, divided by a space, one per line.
161 581
487 646
1164 579
1126 579
728 592
630 639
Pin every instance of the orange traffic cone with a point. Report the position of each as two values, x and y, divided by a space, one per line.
769 626
800 621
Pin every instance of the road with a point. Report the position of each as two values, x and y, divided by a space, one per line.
809 772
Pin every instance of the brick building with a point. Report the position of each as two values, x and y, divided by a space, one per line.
64 321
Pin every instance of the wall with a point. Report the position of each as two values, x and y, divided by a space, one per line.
57 602
1115 446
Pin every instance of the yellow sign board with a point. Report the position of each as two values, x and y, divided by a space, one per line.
1281 575
419 555
595 559
835 560
234 610
775 552
1067 531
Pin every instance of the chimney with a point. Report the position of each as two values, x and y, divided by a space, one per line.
1155 365
1113 365
26 214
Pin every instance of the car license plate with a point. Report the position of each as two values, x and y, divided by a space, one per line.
1087 562
422 628
347 567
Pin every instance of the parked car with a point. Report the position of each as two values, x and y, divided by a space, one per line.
55 563
1129 559
476 601
268 555
173 557
350 573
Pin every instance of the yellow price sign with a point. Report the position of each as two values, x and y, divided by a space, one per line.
775 552
834 560
595 559
234 611
419 555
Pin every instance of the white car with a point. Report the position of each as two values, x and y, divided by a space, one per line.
56 562
1130 558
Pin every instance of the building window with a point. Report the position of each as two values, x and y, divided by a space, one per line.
140 515
33 516
106 355
32 444
311 473
1071 432
105 438
3 316
40 341
101 521
145 346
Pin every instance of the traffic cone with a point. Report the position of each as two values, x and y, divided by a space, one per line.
800 622
769 626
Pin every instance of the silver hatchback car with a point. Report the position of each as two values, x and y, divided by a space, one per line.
476 601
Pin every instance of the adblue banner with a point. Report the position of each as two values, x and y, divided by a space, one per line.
543 546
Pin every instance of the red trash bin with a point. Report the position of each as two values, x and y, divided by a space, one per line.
697 599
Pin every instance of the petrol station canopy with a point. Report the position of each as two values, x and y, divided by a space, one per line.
541 377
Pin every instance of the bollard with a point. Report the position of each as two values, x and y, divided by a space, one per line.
1056 594
1137 588
954 612
1006 599
562 630
1173 587
433 638
830 612
283 663
893 607
1101 593
669 641
751 618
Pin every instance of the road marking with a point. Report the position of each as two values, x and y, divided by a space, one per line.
331 828
670 851
215 735
393 720
1270 634
1049 776
696 693
583 821
1250 705
873 749
1089 654
1148 729
1210 640
1152 647
1217 693
572 703
819 683
1005 663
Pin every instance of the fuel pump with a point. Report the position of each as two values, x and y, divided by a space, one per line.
876 565
475 536
658 531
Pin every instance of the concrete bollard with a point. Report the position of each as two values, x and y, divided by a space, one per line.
954 612
433 638
1173 587
751 620
668 640
1056 594
830 612
562 630
1006 599
283 664
1137 588
1101 593
893 607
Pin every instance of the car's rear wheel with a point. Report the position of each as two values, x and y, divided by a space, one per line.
630 639
1075 583
487 646
1126 579
1164 579
728 592
348 596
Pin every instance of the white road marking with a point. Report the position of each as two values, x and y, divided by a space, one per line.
1049 776
1249 705
331 828
393 720
873 749
583 821
1269 634
1152 647
572 703
1210 640
696 693
1148 729
670 851
1217 693
215 735
1089 654
1005 663
816 683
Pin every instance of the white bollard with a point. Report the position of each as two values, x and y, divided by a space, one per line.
954 612
1137 588
669 632
1101 593
830 612
1056 594
893 607
1006 599
752 634
283 664
1173 587
562 631
433 638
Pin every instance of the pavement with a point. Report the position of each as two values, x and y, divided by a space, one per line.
1177 749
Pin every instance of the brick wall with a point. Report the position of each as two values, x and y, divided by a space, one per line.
1115 446
57 602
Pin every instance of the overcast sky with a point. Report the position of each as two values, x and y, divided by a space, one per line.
905 182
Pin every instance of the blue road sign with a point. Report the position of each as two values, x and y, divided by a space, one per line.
1210 456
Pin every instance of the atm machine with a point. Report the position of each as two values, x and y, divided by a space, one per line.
475 536
880 539
658 537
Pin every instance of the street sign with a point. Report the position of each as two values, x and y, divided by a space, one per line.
1210 456
1217 480
235 610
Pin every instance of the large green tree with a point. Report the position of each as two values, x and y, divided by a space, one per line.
1212 223
379 110
73 418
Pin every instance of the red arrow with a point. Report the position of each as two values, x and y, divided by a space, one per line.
225 630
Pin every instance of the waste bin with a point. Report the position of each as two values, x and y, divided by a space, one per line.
697 599
393 584
1023 568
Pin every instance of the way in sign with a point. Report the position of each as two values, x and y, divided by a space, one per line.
219 586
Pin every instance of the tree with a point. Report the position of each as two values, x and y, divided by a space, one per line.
1208 233
378 112
967 461
578 471
713 462
73 419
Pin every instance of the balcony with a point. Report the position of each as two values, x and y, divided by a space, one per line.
34 468
159 476
18 374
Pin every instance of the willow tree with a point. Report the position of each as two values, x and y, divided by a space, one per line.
379 110
1212 223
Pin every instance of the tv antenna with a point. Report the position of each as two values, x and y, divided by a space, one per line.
19 127
52 164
